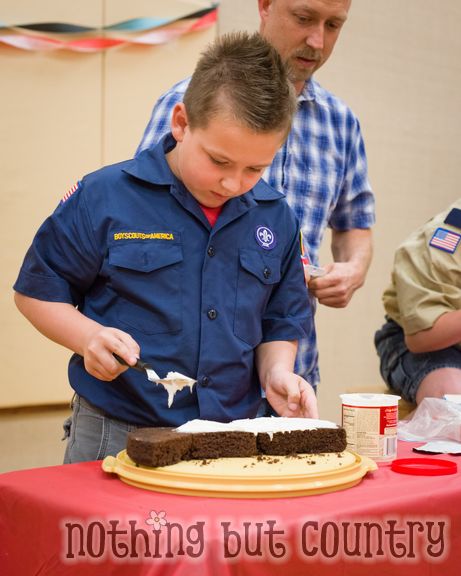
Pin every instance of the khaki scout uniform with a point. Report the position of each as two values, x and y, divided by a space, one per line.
426 279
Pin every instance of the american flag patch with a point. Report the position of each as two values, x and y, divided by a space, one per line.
445 240
69 193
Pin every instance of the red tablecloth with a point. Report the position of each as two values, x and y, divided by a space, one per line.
76 520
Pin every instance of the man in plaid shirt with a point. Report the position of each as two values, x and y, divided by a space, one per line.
322 166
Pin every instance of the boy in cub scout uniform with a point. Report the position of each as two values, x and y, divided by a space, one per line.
182 256
420 344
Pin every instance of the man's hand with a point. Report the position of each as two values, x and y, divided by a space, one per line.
337 287
290 395
352 251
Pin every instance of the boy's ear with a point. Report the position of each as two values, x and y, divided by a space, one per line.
179 121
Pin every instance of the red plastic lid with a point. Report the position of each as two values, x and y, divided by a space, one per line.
424 466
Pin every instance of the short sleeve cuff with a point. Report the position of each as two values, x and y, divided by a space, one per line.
416 323
46 288
286 329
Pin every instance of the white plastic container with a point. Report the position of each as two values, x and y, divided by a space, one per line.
370 421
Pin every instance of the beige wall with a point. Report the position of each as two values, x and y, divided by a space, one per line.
397 65
63 115
135 77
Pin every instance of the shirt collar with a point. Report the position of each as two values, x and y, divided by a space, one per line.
151 166
311 92
262 191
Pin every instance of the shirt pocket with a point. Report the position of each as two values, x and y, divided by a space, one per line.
257 275
147 279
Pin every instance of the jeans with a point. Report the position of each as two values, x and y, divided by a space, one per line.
402 370
91 435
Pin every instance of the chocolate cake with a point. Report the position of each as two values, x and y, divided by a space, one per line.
157 446
203 440
232 444
302 441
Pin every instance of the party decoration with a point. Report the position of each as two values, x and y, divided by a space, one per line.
49 36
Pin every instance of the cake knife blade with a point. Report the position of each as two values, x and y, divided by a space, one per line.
140 366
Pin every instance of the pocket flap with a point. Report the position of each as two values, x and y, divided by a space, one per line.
265 267
145 257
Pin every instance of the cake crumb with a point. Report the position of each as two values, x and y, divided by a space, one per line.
273 460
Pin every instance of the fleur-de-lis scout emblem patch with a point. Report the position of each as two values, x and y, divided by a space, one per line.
265 237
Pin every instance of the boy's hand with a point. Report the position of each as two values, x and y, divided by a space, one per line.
64 324
99 348
290 395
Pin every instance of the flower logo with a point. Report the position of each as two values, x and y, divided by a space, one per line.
265 237
156 519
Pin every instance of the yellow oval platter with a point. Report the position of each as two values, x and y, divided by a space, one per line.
255 477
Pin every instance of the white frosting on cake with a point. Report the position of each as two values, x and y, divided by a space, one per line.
269 425
195 426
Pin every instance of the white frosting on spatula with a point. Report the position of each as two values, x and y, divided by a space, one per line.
173 382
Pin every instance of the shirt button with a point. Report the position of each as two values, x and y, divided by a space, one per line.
267 273
212 314
205 381
211 251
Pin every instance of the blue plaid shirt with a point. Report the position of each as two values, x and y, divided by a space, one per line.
321 168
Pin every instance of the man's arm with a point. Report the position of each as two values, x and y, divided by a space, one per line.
289 394
68 327
445 332
352 252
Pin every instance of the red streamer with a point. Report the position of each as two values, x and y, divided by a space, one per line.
100 43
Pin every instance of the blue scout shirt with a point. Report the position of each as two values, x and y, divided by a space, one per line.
132 249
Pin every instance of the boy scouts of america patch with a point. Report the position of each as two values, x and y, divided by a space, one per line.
446 240
265 237
69 193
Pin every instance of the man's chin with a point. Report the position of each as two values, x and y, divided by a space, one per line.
298 76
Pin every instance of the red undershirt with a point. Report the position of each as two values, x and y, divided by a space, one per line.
211 213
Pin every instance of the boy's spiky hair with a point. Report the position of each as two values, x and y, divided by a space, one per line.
243 76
